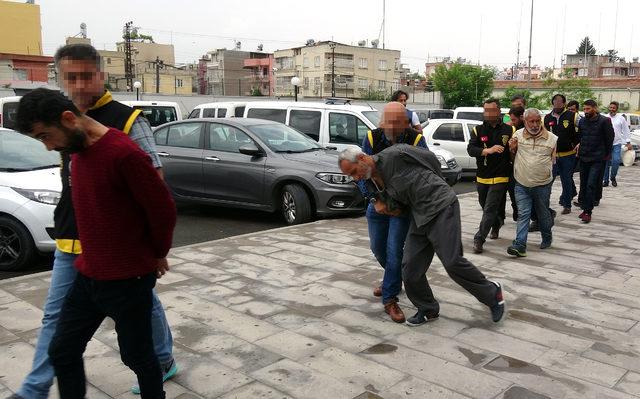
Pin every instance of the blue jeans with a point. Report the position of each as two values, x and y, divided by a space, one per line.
613 164
564 168
529 198
38 382
387 235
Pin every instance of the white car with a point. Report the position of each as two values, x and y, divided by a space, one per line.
157 112
29 191
218 110
8 110
452 135
474 113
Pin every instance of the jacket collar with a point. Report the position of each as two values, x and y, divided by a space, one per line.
104 100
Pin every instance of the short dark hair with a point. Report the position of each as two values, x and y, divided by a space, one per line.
396 95
562 96
492 100
519 97
44 106
573 103
78 52
617 104
591 103
517 111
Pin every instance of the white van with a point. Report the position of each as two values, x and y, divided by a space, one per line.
473 113
8 111
157 112
218 110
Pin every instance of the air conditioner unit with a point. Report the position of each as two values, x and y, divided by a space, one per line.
624 106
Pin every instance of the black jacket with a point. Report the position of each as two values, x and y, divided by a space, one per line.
493 168
596 138
566 129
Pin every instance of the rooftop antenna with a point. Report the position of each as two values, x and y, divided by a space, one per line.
384 14
517 72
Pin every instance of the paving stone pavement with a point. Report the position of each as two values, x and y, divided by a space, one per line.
289 313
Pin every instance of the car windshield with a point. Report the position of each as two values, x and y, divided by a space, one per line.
476 116
282 138
158 115
373 117
19 153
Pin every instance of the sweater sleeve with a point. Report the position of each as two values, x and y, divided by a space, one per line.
609 136
151 193
474 148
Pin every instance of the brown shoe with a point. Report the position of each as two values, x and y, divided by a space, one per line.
477 247
377 291
495 232
394 311
566 211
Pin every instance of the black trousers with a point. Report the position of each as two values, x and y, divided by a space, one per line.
492 199
88 303
590 184
441 236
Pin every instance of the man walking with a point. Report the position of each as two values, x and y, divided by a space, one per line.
488 144
622 137
402 97
535 150
116 194
564 124
410 179
80 71
596 141
387 233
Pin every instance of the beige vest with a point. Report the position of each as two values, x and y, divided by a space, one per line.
533 165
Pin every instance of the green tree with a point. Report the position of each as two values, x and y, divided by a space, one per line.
505 100
463 85
586 42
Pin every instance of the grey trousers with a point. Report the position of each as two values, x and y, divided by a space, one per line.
441 236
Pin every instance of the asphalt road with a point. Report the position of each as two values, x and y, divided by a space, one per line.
198 223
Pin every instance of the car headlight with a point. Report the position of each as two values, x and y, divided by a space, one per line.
334 178
443 162
43 196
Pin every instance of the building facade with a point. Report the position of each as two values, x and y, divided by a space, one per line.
20 28
357 71
600 66
222 73
260 69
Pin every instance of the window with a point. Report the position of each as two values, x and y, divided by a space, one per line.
108 60
222 112
186 135
346 129
209 113
179 83
160 136
276 115
305 83
194 114
316 82
239 112
9 113
316 61
227 138
582 72
305 62
363 83
382 85
449 132
607 71
158 115
470 126
382 65
308 122
364 63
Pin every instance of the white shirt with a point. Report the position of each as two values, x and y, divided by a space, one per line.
621 128
414 119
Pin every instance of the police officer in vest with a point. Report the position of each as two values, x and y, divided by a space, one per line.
80 70
489 145
564 124
388 233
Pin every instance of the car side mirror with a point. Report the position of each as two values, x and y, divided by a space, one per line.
250 149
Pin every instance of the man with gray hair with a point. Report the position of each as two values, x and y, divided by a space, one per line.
534 148
409 179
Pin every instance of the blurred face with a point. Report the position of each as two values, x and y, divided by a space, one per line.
533 123
82 81
359 170
402 99
573 108
65 136
491 112
517 103
558 103
589 111
613 109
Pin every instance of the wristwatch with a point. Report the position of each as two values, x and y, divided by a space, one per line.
372 200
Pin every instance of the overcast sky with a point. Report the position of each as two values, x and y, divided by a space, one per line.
484 30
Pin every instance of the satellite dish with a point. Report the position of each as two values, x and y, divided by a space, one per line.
374 43
362 43
310 42
260 47
83 26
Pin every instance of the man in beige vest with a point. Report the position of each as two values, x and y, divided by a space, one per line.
534 151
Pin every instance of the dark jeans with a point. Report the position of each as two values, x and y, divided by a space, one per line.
387 235
441 236
491 198
590 184
530 198
564 168
88 303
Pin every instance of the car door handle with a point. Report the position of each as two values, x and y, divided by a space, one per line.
213 159
436 143
163 154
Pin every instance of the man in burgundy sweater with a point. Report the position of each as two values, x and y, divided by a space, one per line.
125 217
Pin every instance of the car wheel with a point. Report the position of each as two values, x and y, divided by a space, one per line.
295 204
17 249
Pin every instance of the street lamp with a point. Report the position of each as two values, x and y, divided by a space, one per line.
295 81
137 85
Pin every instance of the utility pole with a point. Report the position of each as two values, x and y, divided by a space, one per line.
159 64
128 62
333 69
384 15
530 41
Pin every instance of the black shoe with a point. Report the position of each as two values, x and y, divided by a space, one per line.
477 247
596 203
495 233
576 203
545 244
420 318
497 310
553 213
517 250
534 227
614 183
605 184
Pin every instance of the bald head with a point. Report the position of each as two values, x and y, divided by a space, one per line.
394 119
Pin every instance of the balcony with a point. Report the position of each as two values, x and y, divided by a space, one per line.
257 63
